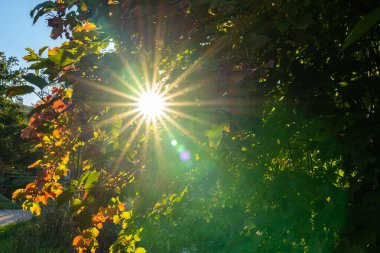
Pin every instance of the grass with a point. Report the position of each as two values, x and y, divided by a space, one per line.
6 203
48 233
51 232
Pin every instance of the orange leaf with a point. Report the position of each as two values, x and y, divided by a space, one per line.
52 51
87 26
57 133
42 198
83 7
78 241
121 206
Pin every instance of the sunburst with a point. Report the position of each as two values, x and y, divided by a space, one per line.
151 104
149 97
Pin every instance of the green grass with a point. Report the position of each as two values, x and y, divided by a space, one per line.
6 203
48 233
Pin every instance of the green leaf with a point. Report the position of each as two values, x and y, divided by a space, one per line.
36 80
362 26
44 63
42 9
65 196
61 58
215 134
89 178
19 90
42 50
76 204
32 56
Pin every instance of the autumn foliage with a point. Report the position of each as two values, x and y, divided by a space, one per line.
272 106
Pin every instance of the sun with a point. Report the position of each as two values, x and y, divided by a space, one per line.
151 104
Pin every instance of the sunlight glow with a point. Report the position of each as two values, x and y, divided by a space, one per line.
151 104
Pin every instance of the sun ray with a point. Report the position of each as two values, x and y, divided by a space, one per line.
215 48
115 104
157 145
188 116
158 39
142 28
145 145
132 74
183 131
166 128
124 82
129 142
130 122
185 90
229 102
103 87
186 133
116 117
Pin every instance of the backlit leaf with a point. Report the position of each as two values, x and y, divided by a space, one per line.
19 90
36 80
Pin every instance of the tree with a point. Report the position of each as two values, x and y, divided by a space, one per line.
277 125
12 115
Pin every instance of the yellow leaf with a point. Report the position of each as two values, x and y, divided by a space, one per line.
69 93
35 164
58 143
116 219
18 194
140 250
86 165
95 232
137 238
35 208
126 215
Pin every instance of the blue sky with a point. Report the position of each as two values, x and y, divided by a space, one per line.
17 32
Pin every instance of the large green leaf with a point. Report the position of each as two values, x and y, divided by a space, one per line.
36 80
19 90
362 26
62 58
89 178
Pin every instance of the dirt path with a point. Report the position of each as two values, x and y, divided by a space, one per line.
12 216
